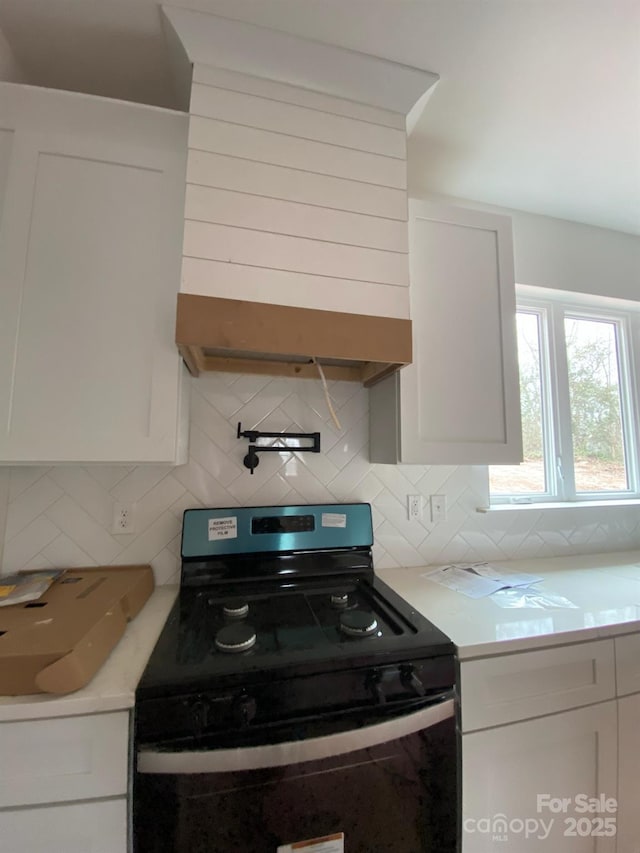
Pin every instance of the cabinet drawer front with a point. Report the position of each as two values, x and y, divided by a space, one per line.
94 827
517 686
628 664
68 758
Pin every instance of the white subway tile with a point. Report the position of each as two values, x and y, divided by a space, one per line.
146 546
30 504
185 501
166 567
83 530
161 497
64 553
203 486
21 551
108 475
222 466
140 481
86 491
23 477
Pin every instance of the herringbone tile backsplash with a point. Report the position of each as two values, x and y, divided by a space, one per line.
61 516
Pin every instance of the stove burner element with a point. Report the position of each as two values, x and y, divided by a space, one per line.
236 638
358 623
235 608
340 600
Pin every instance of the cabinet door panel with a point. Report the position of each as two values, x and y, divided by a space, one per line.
93 304
6 147
628 664
628 774
90 245
66 758
458 402
92 827
508 688
19 163
460 396
505 770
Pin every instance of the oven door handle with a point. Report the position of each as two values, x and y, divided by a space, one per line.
294 752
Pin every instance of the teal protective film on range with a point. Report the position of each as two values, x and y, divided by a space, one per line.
250 530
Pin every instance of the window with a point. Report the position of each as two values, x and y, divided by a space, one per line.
578 359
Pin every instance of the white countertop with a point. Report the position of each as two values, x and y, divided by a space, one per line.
605 588
113 687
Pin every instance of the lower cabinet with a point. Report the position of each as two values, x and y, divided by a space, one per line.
527 786
629 774
551 749
63 784
99 826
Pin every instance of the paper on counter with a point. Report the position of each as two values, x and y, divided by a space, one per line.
509 578
478 580
531 598
464 581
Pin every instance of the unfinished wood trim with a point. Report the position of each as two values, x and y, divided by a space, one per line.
216 323
281 368
190 359
372 372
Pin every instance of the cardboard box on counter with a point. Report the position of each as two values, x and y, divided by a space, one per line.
58 643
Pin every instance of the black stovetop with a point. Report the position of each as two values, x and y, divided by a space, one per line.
298 630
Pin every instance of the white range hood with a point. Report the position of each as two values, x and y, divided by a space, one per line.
295 242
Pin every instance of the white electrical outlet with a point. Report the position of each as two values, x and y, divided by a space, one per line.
438 508
123 518
414 507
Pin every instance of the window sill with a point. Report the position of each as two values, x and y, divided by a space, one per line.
625 502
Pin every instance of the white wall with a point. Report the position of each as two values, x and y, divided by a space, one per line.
570 256
10 69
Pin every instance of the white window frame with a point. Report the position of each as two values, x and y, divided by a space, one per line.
551 307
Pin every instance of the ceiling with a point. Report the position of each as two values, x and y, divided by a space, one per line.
538 106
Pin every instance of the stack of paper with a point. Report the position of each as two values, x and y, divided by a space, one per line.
477 580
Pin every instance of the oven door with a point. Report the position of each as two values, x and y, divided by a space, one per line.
390 786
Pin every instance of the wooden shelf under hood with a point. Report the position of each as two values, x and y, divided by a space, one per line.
280 340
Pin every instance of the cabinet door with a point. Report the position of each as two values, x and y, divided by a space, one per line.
92 204
459 402
628 774
516 776
96 826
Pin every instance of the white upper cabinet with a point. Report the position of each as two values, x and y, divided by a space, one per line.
458 403
91 200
